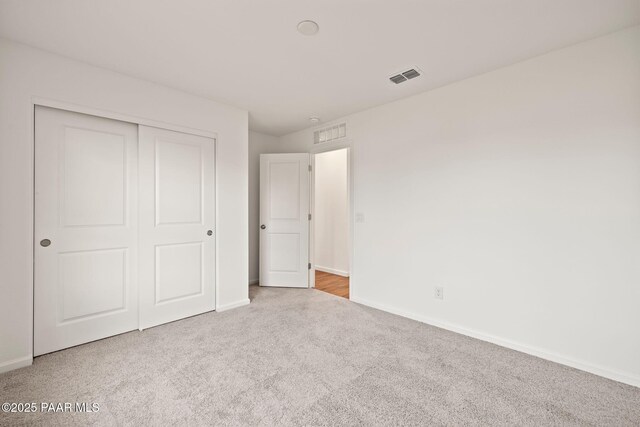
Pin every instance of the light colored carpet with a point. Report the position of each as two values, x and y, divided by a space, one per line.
304 357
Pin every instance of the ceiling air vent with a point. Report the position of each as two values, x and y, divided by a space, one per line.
398 78
404 76
330 134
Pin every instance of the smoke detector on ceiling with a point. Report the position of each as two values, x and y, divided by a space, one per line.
308 28
406 75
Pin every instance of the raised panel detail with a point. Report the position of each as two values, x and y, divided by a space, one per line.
93 179
284 188
91 283
178 271
178 183
284 252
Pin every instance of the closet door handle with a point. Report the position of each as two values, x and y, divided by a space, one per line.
45 242
263 226
209 232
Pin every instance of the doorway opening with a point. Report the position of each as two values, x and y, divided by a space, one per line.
330 245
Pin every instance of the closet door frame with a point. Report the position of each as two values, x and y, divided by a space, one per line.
30 190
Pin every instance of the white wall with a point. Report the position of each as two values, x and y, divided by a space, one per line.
331 211
26 73
518 191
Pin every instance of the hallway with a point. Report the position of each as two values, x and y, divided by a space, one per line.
332 284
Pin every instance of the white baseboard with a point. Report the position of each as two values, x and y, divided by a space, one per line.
232 305
332 271
253 282
612 374
21 362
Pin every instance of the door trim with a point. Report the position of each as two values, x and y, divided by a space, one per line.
76 108
30 188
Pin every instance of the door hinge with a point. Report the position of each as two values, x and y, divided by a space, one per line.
309 217
309 266
309 168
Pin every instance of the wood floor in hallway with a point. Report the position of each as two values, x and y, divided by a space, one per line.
332 283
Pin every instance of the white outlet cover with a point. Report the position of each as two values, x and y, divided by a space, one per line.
438 292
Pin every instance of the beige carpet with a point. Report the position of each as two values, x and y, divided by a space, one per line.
304 357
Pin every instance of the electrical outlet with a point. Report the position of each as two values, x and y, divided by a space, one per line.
438 292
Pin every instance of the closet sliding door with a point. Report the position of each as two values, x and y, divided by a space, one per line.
124 227
85 229
177 217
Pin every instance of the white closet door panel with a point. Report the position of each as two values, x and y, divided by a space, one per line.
85 283
177 217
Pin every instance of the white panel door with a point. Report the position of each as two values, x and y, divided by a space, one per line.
85 230
177 217
284 220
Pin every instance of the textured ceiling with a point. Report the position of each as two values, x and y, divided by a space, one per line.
247 53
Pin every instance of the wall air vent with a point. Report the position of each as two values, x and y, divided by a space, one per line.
406 75
330 134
